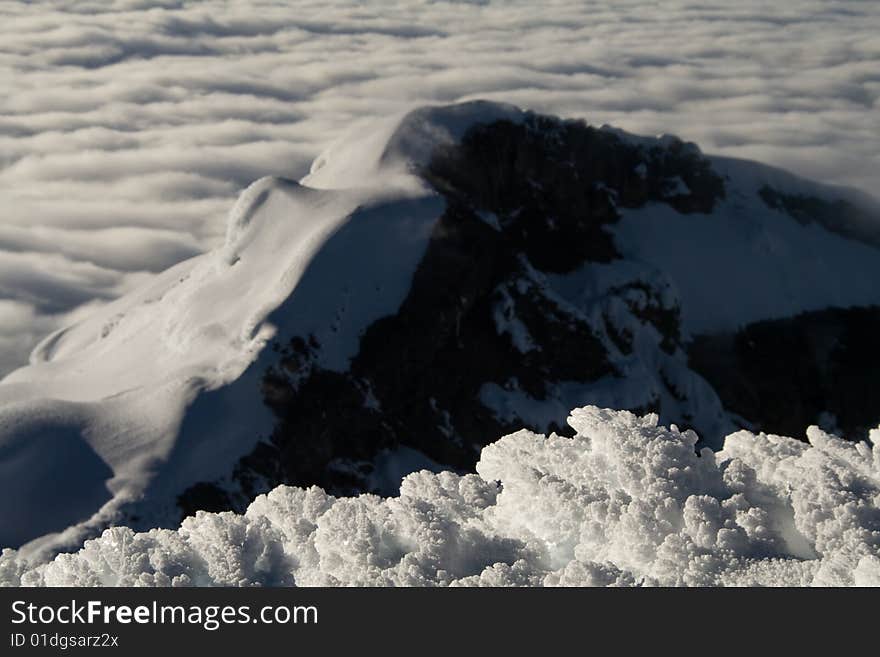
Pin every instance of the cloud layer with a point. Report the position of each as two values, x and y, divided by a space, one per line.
127 127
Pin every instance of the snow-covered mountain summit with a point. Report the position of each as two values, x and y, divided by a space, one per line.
445 278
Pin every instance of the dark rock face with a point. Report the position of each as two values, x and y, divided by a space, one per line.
554 184
522 199
203 496
787 374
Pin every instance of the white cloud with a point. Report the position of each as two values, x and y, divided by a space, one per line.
148 116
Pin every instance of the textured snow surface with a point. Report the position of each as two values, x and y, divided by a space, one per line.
624 502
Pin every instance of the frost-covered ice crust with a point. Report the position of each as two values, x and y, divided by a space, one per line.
623 503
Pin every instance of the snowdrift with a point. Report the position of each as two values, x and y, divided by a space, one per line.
623 503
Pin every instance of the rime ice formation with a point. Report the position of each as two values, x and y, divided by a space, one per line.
623 503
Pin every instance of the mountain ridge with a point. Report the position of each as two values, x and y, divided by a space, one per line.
448 277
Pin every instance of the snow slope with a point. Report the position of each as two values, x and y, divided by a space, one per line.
623 503
761 262
117 415
114 388
137 399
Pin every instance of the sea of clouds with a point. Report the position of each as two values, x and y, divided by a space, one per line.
127 127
